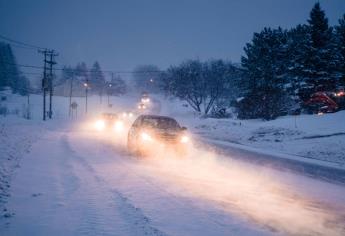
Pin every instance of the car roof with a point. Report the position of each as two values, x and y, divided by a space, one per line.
156 116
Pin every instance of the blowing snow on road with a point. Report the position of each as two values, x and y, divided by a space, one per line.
172 118
77 181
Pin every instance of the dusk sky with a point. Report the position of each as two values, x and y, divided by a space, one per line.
123 34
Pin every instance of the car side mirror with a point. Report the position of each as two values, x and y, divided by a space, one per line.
183 128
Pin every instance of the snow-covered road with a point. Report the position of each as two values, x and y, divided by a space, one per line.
75 181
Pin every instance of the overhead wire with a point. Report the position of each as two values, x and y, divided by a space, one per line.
23 45
76 70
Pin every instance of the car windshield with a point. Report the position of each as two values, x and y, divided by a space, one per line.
109 116
161 123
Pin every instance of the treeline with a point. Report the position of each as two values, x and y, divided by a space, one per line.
204 85
10 75
281 69
80 78
284 67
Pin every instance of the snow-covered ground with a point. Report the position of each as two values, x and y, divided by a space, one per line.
72 180
310 136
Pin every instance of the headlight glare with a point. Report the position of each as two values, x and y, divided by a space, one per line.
118 125
146 137
100 124
184 139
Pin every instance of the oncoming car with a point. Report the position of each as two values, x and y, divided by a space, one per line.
145 98
127 115
109 121
150 132
142 106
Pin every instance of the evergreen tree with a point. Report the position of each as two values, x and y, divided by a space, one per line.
97 80
299 39
320 64
266 63
5 66
10 75
81 72
340 50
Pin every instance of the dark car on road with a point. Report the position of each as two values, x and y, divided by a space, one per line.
109 121
150 132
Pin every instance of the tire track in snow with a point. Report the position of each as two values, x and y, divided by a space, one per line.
138 222
130 170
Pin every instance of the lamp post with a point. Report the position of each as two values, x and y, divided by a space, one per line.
109 91
86 85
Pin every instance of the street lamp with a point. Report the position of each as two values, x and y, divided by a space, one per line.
109 91
86 85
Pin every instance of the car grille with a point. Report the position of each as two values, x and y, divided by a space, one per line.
168 137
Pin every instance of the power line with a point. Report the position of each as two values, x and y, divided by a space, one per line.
21 72
76 70
21 47
22 43
32 46
21 65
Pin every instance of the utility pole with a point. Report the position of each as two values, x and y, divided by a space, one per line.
51 62
47 81
70 95
109 89
86 85
44 81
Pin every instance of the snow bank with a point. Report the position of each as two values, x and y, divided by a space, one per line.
320 137
16 137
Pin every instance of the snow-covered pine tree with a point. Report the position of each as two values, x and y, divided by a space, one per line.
10 75
266 62
298 47
340 50
82 74
320 62
97 80
5 66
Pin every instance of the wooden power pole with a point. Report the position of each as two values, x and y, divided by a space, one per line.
47 81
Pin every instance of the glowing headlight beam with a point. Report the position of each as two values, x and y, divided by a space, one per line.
100 125
184 139
118 126
146 137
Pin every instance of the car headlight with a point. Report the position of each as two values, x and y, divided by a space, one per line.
146 136
184 139
118 125
124 114
130 114
100 124
145 100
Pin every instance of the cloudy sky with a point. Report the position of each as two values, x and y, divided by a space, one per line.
123 34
